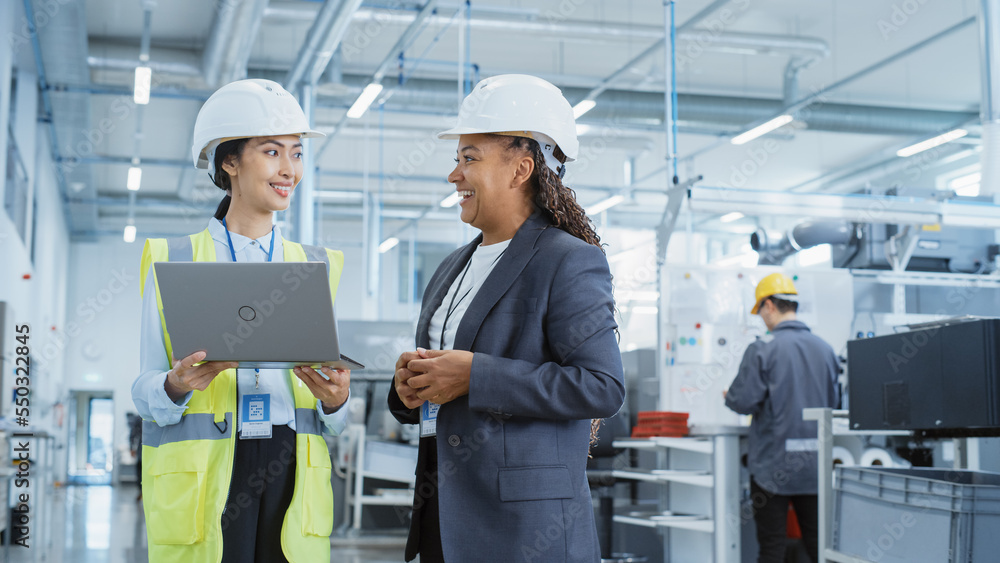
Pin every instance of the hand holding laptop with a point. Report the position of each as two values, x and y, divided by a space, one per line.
187 375
331 386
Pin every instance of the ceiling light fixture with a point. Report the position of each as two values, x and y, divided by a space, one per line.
134 178
143 79
967 185
451 200
730 217
932 142
387 245
583 107
762 130
129 234
365 100
605 204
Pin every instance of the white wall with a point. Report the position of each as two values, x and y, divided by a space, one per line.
104 304
36 290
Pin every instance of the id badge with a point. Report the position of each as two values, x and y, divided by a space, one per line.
428 419
255 417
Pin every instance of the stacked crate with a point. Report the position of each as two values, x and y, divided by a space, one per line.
661 423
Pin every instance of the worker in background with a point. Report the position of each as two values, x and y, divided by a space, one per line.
218 487
517 347
777 379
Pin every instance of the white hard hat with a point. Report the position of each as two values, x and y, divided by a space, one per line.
246 108
520 105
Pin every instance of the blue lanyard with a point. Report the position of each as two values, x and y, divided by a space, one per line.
232 251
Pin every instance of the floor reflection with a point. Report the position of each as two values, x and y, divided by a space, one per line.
105 524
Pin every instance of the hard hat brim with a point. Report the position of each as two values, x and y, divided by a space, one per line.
456 132
202 163
793 297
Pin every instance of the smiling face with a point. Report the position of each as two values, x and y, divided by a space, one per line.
494 184
265 174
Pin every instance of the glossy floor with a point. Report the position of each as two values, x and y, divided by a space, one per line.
101 524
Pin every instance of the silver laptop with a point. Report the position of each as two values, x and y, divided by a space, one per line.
260 314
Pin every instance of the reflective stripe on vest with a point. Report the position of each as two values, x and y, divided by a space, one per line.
188 466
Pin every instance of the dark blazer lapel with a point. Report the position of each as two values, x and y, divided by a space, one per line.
441 289
515 258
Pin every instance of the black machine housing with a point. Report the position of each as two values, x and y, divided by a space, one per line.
941 378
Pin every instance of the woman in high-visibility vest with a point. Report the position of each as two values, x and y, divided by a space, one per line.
217 487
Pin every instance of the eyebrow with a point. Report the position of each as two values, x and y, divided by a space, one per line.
468 148
279 143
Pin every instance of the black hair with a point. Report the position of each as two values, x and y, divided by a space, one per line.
221 178
783 305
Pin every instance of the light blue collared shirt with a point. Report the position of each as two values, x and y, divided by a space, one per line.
148 391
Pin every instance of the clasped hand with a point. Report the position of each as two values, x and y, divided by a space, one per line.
439 376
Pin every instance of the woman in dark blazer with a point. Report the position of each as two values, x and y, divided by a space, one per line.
517 348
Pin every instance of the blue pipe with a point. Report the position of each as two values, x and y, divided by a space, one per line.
427 49
468 46
36 47
110 91
673 88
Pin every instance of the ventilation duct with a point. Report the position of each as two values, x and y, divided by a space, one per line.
990 106
773 248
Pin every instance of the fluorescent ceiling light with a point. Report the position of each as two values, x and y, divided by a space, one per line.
932 142
134 178
365 100
730 217
761 130
451 200
143 78
605 204
129 234
339 195
388 244
967 185
582 108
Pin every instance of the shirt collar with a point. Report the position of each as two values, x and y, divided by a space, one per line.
791 325
240 242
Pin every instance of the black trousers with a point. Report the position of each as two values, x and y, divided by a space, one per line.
430 516
771 516
259 494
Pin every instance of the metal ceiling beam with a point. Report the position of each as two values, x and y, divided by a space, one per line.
322 40
561 29
404 41
820 94
231 40
65 114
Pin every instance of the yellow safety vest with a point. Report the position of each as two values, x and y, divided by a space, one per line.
187 467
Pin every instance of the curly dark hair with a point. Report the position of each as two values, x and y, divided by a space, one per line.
553 197
558 202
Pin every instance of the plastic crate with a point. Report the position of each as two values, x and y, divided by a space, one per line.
919 514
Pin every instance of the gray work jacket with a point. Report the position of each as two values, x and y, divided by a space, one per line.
778 379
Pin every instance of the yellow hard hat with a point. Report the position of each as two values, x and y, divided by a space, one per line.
773 284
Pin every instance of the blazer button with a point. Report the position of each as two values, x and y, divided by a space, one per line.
454 440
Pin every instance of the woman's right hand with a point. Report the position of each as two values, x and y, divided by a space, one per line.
186 376
407 394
